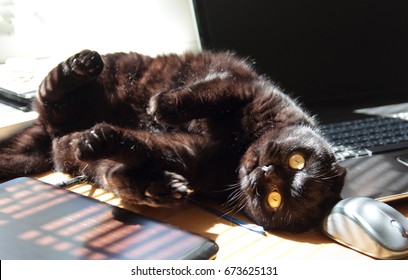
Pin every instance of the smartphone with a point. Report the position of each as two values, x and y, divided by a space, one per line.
43 221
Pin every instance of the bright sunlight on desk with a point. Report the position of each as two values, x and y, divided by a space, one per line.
235 242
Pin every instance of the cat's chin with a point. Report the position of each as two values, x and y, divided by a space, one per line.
286 218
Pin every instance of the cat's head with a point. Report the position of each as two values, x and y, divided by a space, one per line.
289 178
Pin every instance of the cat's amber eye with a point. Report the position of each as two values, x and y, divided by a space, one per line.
274 199
297 161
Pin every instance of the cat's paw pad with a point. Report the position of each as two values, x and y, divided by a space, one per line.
94 142
171 189
164 108
86 64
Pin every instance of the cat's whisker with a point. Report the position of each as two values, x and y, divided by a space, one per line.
235 210
235 189
85 167
237 199
257 193
230 187
329 175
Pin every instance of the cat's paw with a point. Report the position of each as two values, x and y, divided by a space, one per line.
165 108
86 64
94 143
169 190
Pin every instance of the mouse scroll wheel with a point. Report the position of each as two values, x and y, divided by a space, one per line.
401 229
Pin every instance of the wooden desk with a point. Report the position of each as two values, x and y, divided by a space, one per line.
235 242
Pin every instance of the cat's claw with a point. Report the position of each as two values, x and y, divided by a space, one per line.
86 64
95 140
76 71
171 189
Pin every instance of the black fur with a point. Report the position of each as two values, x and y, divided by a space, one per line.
152 130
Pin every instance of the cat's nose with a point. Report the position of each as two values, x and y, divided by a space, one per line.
267 169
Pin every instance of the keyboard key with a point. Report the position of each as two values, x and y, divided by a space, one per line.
367 136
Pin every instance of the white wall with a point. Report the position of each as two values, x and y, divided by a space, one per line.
59 28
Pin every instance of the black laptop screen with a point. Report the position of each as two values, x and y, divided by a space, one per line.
330 51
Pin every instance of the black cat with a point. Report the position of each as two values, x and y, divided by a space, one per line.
152 130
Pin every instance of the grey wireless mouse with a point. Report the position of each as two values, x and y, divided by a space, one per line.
368 226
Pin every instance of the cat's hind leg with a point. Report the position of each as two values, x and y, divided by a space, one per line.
214 95
137 166
167 151
76 71
145 186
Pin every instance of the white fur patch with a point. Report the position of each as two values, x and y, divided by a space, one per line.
217 75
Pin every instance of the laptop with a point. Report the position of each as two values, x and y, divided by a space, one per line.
14 120
42 221
345 61
19 80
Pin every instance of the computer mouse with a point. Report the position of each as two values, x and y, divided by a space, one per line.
368 226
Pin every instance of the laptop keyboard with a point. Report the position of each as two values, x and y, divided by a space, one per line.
365 137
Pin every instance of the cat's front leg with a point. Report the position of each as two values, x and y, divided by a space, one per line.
210 97
76 71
